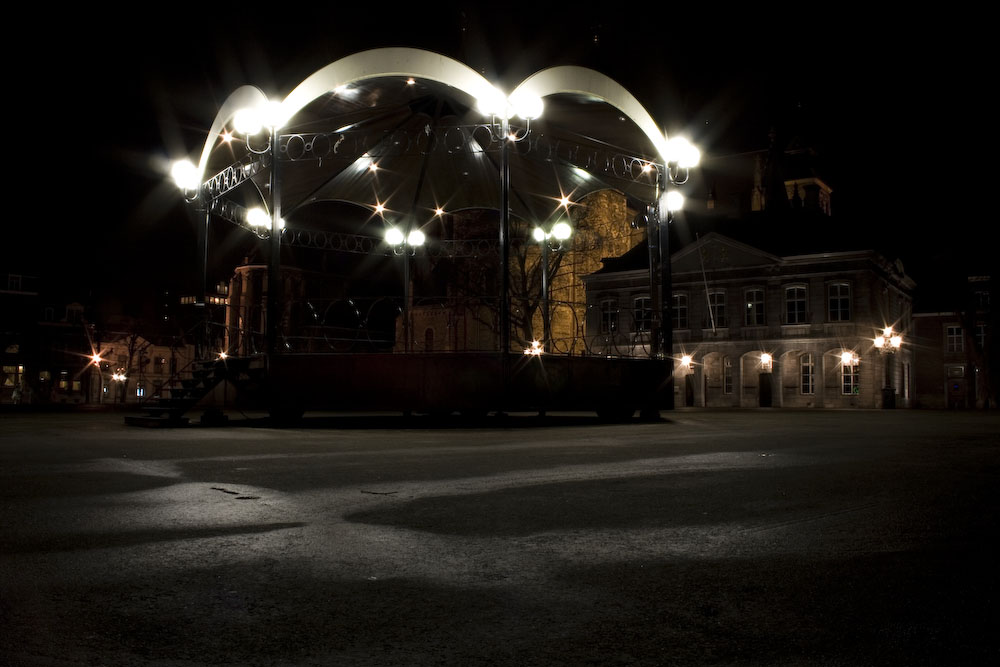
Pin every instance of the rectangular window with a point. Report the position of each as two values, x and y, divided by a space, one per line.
727 375
955 339
755 307
807 373
795 305
981 336
642 313
14 282
609 316
680 311
850 377
717 304
840 302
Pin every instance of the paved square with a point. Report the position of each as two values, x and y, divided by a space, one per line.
713 538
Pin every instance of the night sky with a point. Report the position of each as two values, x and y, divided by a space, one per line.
123 96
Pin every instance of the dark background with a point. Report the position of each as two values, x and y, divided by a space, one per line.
112 99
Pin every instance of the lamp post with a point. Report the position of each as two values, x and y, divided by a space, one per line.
887 344
501 109
680 157
405 245
187 177
250 122
550 240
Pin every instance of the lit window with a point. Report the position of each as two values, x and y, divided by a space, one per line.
795 305
840 302
955 339
807 373
754 316
642 313
680 311
850 377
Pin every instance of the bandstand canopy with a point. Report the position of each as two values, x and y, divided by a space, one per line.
398 132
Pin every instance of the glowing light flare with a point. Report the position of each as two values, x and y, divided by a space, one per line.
848 358
223 356
538 234
226 136
765 359
675 201
416 238
880 341
248 122
185 175
535 350
686 360
562 231
394 236
439 211
526 106
896 341
682 152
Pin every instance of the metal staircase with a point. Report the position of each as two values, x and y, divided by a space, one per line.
193 384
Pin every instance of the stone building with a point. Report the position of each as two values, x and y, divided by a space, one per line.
755 329
956 367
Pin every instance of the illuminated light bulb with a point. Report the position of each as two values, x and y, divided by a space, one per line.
846 358
96 358
373 167
410 81
683 152
686 360
887 332
380 208
248 121
223 355
538 234
227 136
675 201
879 342
765 358
562 231
439 212
896 341
416 238
492 103
185 175
526 105
393 236
272 115
258 217
564 202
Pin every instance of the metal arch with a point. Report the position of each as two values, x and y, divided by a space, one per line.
581 80
241 98
375 63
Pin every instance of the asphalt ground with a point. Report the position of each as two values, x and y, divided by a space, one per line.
764 537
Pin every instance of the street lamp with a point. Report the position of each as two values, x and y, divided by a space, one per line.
269 115
405 245
887 344
553 239
501 109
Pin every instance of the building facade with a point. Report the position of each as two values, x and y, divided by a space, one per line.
752 329
956 367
